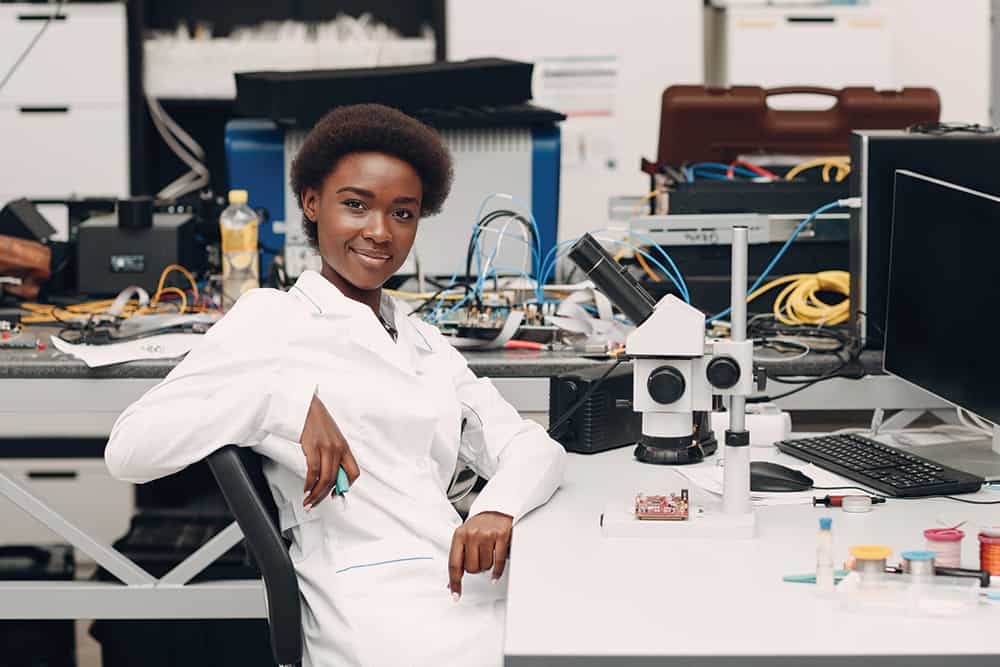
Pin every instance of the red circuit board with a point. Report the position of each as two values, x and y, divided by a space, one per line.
662 508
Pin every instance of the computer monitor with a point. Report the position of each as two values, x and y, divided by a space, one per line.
944 292
969 158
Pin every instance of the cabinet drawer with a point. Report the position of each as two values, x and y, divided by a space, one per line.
80 59
59 151
81 490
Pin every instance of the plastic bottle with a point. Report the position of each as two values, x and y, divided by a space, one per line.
240 261
824 556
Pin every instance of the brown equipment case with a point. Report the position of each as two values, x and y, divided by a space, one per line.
702 124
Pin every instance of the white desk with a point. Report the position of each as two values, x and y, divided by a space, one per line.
578 598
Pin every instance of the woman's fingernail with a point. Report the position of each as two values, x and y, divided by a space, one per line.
455 597
309 508
495 580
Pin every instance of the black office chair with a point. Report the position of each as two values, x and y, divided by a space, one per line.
240 475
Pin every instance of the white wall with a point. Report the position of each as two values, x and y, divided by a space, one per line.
945 45
637 47
651 44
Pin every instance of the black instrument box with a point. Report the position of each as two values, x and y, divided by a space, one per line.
111 258
606 419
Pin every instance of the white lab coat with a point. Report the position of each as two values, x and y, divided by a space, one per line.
373 570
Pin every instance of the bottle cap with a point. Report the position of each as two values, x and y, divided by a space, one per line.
238 197
870 552
918 555
825 523
944 534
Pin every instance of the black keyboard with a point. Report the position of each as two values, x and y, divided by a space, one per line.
891 471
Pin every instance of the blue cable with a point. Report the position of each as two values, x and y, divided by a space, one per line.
767 270
461 302
678 282
743 171
677 271
536 248
708 175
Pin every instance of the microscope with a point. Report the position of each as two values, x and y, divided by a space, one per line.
677 372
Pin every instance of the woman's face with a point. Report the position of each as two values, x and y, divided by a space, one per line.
366 215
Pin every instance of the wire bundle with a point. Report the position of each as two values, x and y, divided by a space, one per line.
799 302
841 163
83 312
989 550
717 171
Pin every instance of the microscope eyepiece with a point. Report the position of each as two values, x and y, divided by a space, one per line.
609 276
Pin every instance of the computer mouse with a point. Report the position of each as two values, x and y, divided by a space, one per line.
768 476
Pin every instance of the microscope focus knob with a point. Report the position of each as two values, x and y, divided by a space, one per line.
723 372
665 385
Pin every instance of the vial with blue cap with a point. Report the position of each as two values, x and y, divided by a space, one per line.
824 556
918 563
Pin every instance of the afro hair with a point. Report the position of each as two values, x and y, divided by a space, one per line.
364 128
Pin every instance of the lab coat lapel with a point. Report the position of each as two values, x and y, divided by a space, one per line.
360 323
411 338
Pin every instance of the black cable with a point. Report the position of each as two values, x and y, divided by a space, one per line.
843 488
553 428
768 399
433 297
31 44
968 502
869 492
482 224
937 128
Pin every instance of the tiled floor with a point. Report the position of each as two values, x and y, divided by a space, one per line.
88 651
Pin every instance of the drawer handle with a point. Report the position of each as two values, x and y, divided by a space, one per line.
43 109
53 474
811 19
41 17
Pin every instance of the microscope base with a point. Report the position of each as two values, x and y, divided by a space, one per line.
618 520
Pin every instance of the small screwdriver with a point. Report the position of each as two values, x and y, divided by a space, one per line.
837 501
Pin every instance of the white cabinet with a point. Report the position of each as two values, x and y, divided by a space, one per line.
771 46
64 113
81 490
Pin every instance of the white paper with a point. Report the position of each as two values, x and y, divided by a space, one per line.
709 478
165 346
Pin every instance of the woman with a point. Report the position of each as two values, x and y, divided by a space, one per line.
333 373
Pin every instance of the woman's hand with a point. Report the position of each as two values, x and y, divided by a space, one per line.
326 451
479 544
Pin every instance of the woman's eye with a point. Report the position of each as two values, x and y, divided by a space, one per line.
404 214
355 204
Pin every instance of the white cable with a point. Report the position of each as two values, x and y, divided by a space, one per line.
176 129
969 421
982 422
199 175
502 234
780 359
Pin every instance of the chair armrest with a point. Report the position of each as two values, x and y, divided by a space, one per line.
269 550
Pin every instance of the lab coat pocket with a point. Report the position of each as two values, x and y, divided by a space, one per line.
303 529
389 567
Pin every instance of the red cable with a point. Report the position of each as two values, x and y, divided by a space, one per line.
752 167
523 345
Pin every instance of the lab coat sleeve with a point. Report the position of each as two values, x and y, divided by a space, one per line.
235 387
523 464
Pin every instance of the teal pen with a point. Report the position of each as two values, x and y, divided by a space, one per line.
343 484
811 577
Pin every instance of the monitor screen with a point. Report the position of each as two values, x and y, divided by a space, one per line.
944 291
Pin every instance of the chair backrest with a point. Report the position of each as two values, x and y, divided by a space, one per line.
239 473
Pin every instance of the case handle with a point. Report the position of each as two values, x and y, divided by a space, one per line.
802 90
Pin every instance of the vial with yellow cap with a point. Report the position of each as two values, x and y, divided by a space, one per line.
870 560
